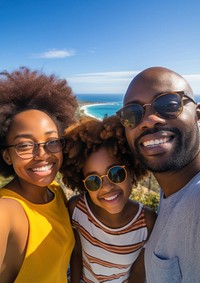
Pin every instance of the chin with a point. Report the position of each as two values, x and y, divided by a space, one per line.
114 211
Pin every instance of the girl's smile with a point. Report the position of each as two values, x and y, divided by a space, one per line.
111 197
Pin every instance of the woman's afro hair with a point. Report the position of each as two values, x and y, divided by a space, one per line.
87 136
24 89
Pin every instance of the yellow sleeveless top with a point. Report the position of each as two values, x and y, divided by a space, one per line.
50 240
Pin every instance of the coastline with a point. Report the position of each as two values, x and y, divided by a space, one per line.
83 108
104 108
99 105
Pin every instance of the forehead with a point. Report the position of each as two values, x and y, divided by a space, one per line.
32 115
100 160
103 153
31 122
148 85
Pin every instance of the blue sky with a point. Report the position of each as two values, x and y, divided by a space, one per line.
99 45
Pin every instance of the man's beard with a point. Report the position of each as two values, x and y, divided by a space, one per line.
186 149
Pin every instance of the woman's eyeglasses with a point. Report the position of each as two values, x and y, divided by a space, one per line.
166 105
116 175
27 150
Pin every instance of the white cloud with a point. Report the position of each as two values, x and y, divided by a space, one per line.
194 81
52 54
115 82
104 82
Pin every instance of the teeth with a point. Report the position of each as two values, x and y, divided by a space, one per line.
112 197
155 142
43 168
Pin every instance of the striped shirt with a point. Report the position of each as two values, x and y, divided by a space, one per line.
108 253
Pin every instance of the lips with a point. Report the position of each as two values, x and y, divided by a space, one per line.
42 168
156 142
111 198
156 137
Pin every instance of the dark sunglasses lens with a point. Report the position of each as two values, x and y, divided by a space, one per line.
168 105
117 174
131 115
92 183
55 145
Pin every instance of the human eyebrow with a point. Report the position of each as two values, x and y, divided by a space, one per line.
31 136
25 136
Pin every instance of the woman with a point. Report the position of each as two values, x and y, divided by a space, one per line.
36 236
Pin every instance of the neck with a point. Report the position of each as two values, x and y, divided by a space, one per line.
34 194
173 181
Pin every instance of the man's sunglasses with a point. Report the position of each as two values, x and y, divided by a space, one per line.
167 105
116 175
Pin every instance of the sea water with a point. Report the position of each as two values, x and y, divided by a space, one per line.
101 105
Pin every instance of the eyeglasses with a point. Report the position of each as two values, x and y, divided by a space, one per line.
116 175
27 150
167 105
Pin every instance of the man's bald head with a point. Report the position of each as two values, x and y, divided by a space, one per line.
157 80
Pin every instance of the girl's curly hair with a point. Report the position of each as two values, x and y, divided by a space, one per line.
87 136
24 89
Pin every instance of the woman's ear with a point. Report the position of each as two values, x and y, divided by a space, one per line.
6 156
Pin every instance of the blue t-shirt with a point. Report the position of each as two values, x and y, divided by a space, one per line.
173 250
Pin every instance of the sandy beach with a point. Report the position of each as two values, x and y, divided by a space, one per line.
83 107
99 109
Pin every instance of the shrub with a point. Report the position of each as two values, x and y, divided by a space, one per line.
148 198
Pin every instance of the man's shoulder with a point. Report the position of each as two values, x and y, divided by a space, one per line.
193 187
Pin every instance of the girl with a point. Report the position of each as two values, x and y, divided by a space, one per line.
110 229
36 236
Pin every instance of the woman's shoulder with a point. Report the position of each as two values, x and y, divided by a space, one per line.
11 211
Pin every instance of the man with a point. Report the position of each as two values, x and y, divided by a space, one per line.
161 120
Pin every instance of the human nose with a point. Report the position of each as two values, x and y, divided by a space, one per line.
150 118
40 150
105 181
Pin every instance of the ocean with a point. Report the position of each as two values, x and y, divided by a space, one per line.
101 105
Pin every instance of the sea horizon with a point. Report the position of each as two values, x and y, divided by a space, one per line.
102 105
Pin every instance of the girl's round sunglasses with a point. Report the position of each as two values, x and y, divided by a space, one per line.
116 174
167 105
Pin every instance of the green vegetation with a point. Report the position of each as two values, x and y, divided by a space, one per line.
150 199
4 181
147 192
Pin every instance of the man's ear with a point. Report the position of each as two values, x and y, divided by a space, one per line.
198 113
6 156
